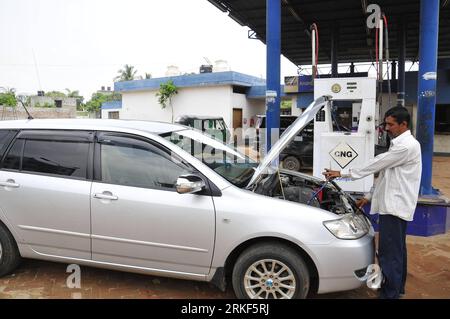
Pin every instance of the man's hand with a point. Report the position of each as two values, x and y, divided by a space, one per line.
361 202
329 174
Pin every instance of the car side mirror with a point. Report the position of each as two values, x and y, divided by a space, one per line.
190 184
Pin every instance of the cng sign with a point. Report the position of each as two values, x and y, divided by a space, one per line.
343 154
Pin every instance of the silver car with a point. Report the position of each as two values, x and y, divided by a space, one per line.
167 200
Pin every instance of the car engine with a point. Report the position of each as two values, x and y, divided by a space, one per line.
302 190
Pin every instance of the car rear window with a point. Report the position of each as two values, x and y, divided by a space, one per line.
12 159
64 158
60 158
6 137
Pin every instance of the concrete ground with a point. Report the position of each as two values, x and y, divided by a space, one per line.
428 273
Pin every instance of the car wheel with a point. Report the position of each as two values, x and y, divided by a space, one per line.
291 163
9 254
270 271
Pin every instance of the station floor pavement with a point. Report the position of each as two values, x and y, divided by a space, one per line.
428 273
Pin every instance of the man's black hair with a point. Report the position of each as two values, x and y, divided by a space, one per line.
400 114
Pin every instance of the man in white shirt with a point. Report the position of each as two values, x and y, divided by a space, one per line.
394 196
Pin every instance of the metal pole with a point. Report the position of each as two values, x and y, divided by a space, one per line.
334 50
428 51
393 70
380 50
401 62
352 68
273 90
313 55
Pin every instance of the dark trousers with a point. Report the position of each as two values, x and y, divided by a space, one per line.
392 255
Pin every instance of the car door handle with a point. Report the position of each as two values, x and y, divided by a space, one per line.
10 183
105 195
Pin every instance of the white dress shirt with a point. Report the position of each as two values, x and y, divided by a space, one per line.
396 190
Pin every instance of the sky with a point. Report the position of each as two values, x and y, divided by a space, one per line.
81 44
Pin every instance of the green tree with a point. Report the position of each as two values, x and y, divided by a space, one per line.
49 105
8 97
97 99
286 104
128 73
55 94
113 97
45 105
25 100
148 76
95 103
75 94
165 94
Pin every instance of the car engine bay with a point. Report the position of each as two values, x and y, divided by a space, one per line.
305 190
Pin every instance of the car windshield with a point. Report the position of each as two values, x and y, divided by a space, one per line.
224 160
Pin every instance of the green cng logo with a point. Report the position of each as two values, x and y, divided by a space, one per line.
343 154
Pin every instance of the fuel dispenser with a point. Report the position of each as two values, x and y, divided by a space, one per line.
341 146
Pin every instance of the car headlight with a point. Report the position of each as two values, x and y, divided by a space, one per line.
350 226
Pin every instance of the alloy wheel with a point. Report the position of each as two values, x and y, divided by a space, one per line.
269 279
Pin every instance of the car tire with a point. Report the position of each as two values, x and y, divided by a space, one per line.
291 163
9 253
290 276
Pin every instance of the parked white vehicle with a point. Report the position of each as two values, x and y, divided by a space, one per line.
166 200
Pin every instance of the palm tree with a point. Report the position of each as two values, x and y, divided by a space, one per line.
8 90
148 76
70 93
126 74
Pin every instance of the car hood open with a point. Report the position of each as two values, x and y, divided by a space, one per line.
289 134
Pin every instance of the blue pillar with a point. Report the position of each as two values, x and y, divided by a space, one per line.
428 50
273 43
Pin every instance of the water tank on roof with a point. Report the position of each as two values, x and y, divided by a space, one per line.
173 70
221 66
206 68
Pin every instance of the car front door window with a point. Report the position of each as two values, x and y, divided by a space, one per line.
133 162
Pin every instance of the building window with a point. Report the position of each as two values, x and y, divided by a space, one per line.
239 89
113 115
442 121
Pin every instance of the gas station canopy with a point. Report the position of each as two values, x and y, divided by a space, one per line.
347 19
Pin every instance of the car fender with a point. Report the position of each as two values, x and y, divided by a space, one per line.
242 216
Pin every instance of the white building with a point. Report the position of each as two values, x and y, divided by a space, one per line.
236 97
